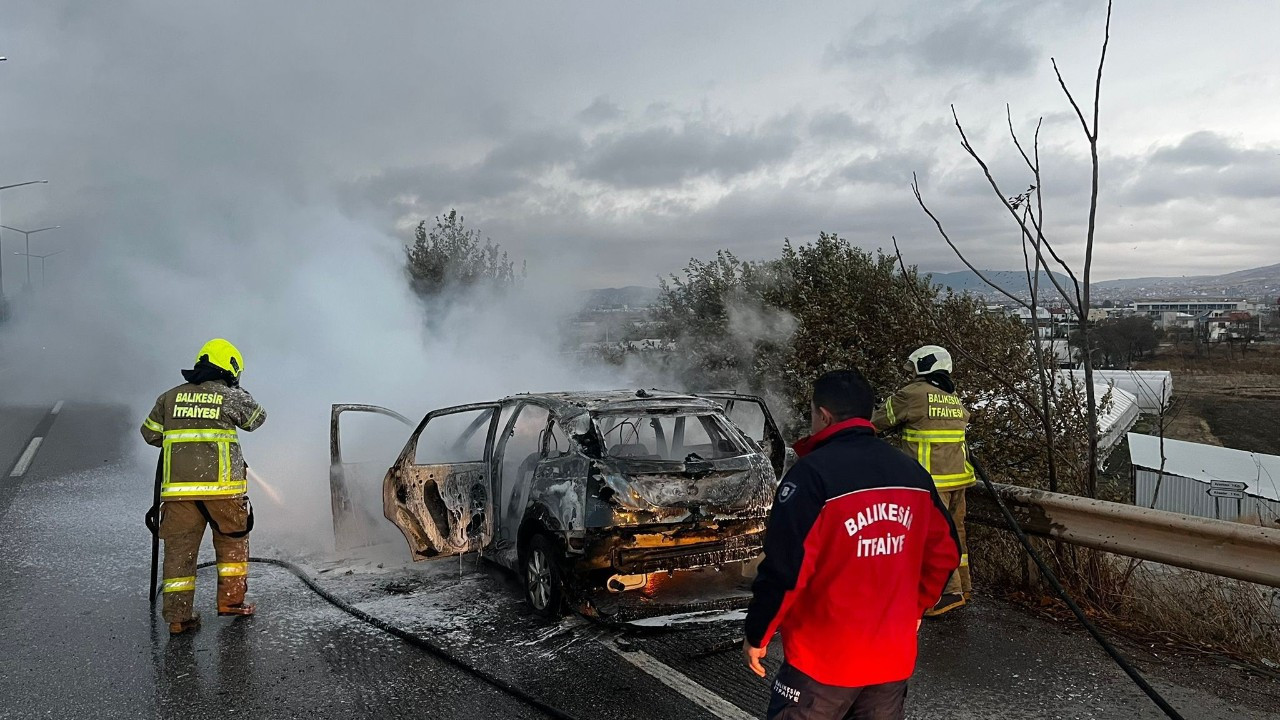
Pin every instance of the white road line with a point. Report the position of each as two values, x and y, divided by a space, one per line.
681 683
27 456
56 408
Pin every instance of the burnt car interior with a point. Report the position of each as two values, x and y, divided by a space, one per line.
667 437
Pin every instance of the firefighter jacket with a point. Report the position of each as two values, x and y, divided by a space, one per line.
196 428
859 545
932 423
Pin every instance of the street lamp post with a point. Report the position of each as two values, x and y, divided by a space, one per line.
42 259
6 187
29 233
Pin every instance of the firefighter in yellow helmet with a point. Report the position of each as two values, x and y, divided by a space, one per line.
203 480
932 423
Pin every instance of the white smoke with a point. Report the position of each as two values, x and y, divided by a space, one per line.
322 311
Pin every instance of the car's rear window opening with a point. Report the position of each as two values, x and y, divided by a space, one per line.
668 437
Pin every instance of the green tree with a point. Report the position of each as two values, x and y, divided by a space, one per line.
1120 341
450 256
771 327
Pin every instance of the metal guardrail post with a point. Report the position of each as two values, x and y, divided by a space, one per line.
1218 547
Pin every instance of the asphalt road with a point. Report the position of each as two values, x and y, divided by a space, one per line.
78 637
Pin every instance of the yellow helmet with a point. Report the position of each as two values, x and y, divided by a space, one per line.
223 354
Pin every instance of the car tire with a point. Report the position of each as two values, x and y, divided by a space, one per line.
542 575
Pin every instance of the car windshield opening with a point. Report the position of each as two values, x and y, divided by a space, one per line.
668 437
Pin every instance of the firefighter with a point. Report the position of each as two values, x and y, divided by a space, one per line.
203 480
859 547
933 421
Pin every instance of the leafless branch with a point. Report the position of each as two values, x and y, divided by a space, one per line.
1037 182
1063 84
1008 114
1038 224
1042 373
915 188
1004 199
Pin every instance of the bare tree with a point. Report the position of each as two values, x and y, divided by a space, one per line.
1027 211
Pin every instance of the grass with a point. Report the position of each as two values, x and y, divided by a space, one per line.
1139 600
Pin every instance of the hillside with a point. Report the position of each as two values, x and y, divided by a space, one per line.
632 296
1014 281
1261 283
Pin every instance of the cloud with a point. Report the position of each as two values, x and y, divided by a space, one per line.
978 40
600 111
1199 149
665 155
888 168
536 150
438 186
1207 167
838 125
700 129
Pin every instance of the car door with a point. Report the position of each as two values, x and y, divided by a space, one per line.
517 452
439 492
751 414
374 437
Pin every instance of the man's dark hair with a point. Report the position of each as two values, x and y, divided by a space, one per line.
845 394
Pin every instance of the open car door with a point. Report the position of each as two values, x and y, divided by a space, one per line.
439 492
354 478
752 416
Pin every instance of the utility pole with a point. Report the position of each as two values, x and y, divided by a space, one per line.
6 187
29 233
41 258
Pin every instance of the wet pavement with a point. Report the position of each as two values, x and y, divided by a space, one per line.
78 638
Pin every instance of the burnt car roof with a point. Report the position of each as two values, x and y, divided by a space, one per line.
573 403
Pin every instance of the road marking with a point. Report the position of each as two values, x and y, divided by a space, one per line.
56 408
27 456
681 683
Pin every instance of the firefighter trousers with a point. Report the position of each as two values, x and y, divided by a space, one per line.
959 583
797 696
182 529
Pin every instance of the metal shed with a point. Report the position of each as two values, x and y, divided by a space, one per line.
1205 480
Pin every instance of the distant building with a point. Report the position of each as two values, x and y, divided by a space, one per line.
1190 306
1173 320
1044 321
1205 480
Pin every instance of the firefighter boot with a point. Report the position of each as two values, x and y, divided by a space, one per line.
239 609
231 590
946 604
191 623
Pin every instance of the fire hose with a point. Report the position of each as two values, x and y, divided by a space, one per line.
489 678
411 638
1110 649
418 641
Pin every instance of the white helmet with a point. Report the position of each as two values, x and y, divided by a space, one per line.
928 359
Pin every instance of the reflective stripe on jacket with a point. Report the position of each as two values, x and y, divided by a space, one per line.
933 423
195 426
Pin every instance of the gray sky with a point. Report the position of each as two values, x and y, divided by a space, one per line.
614 142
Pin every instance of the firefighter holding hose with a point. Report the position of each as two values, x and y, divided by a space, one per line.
202 479
932 423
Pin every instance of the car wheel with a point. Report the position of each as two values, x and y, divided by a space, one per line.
543 585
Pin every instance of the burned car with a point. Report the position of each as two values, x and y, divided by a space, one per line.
582 490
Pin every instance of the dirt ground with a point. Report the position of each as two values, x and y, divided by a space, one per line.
1223 400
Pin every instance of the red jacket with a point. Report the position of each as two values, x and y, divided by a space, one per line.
859 545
